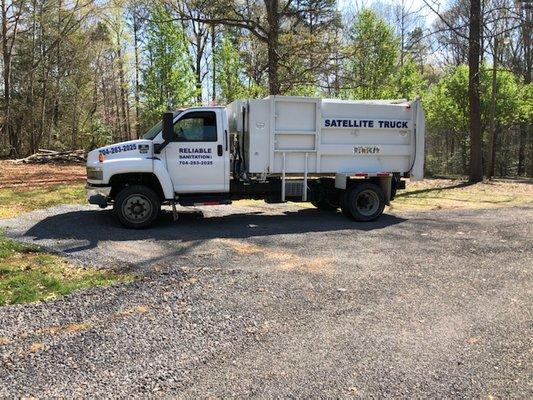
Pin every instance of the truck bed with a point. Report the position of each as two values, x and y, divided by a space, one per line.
301 135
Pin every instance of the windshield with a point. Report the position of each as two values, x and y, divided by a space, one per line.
154 130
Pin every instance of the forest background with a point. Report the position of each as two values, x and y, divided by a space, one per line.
85 73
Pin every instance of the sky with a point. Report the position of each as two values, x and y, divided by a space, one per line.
429 16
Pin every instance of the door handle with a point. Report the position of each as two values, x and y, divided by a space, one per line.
226 139
220 150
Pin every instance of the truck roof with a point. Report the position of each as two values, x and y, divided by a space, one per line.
337 101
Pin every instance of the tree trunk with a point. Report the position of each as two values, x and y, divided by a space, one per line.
476 163
529 145
492 129
57 93
31 81
273 44
137 69
214 81
74 126
525 149
522 140
7 126
124 105
198 68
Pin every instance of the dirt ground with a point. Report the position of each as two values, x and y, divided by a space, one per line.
35 175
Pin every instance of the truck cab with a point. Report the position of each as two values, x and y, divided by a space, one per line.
276 149
193 160
197 156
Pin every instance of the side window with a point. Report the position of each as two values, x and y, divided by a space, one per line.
198 126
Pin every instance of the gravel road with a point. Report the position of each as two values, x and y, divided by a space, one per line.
280 301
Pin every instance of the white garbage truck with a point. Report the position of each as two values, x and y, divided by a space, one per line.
336 154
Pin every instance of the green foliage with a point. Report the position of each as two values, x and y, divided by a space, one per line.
99 135
410 80
168 80
27 274
447 102
372 57
447 117
525 104
229 70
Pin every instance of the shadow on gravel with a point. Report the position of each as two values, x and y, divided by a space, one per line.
94 226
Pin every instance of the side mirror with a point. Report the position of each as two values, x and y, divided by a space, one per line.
168 126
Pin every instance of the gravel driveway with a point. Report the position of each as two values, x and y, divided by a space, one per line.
280 301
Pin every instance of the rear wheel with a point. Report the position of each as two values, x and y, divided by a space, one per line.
137 206
363 202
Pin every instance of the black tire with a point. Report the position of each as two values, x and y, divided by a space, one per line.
324 205
344 208
363 202
137 206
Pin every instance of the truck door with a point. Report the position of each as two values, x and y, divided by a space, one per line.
196 158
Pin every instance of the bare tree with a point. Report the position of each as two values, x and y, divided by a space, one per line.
267 21
11 14
198 34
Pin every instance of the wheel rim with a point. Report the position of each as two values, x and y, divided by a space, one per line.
137 208
367 202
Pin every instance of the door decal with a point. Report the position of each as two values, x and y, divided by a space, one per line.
195 156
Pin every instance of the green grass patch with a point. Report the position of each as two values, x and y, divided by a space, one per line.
434 194
27 274
14 201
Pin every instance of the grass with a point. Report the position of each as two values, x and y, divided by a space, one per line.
27 274
17 200
435 194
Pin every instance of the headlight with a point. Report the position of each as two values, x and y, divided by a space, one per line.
95 174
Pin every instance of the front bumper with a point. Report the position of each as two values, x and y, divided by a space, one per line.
98 194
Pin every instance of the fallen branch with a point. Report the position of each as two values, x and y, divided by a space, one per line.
53 157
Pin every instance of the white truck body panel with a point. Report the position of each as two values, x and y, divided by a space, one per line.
298 135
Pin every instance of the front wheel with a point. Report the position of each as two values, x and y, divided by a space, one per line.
137 206
364 202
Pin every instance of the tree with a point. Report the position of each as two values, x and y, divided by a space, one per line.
229 69
410 80
11 14
448 117
137 13
168 81
474 37
198 34
116 24
268 21
372 56
417 48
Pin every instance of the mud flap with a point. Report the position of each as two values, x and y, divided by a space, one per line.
386 185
